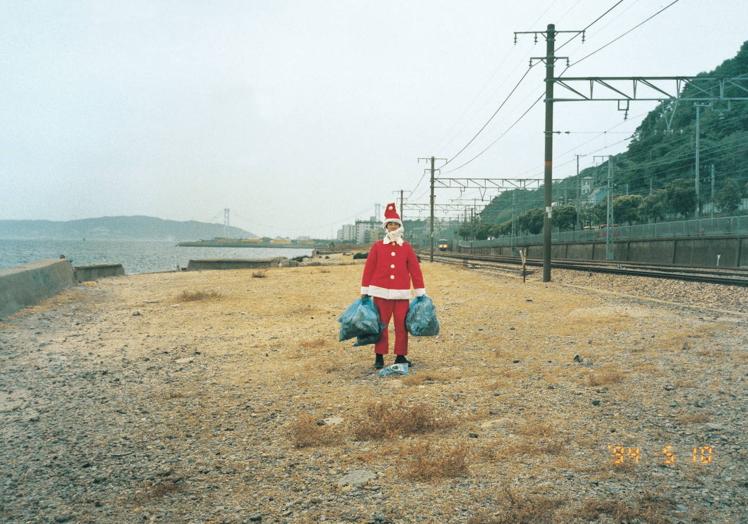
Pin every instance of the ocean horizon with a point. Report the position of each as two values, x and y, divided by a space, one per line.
136 256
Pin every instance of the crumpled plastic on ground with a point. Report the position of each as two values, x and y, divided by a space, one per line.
421 319
361 320
394 369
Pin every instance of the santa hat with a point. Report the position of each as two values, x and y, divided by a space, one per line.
390 215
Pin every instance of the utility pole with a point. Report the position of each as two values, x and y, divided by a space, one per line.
514 201
609 209
711 213
226 214
698 106
550 61
402 203
432 160
579 192
431 225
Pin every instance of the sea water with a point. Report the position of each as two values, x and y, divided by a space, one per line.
136 256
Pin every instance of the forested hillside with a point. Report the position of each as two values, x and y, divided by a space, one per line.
654 179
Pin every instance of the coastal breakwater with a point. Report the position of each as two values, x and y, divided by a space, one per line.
28 284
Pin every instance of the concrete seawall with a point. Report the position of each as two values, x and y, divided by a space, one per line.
210 264
29 284
85 273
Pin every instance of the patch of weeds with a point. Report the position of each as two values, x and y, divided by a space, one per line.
693 418
542 446
534 427
386 421
316 343
192 296
306 432
603 377
428 462
417 379
519 508
648 508
158 489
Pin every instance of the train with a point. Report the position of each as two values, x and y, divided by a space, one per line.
443 244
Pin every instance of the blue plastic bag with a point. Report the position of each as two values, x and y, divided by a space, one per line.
366 340
421 319
360 319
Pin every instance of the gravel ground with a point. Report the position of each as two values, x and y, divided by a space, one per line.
128 400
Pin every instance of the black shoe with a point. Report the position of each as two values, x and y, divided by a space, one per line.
400 359
378 361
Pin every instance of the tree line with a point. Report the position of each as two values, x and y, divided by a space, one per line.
654 179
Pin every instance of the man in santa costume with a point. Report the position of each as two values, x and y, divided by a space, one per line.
389 269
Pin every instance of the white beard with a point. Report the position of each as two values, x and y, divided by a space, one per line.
395 236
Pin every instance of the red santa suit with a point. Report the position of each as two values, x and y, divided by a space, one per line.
390 267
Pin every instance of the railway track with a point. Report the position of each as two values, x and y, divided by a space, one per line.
724 276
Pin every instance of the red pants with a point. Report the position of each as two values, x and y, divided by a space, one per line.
386 309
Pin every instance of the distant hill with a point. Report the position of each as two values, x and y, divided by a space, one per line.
117 228
659 163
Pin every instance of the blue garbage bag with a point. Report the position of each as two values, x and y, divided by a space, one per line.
421 319
360 319
366 340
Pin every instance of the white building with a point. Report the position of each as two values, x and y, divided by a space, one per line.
347 233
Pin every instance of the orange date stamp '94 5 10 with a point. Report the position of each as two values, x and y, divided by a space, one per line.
622 455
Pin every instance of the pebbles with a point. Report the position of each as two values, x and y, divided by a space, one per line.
182 414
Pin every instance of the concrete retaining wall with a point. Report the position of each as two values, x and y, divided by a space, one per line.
84 273
208 264
696 252
29 284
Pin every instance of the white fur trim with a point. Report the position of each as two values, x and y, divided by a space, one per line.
420 292
389 294
364 290
395 220
386 240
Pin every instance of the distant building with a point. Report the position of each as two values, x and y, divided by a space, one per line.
362 232
368 231
586 185
347 233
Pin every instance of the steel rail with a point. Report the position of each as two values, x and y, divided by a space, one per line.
723 276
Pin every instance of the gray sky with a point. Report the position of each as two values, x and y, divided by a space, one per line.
300 115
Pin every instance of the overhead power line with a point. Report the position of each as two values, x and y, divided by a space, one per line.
625 33
483 127
489 146
590 24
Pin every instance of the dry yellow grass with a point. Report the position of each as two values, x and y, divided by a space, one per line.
648 508
193 296
315 343
535 446
306 432
156 489
427 377
693 418
382 420
604 377
428 462
515 507
535 427
269 363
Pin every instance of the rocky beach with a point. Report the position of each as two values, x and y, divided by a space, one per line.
225 397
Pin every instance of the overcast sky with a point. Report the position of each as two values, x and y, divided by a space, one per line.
300 115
